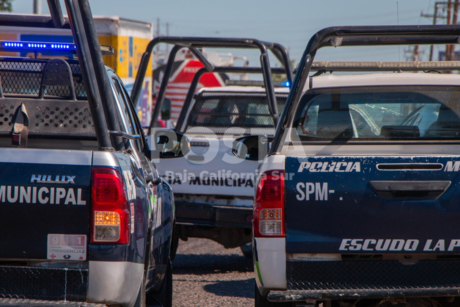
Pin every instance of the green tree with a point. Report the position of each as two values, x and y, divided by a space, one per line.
6 6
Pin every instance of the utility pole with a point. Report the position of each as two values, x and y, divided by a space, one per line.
412 54
439 7
37 9
454 21
158 32
416 53
434 23
449 13
167 34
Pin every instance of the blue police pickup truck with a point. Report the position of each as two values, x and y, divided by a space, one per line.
84 216
357 201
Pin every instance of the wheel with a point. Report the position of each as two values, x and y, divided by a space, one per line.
164 296
141 296
260 301
246 249
174 246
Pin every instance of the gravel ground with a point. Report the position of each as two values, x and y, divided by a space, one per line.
206 274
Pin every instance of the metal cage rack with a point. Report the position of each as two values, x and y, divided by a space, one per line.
194 44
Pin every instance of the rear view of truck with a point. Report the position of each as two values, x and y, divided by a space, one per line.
357 204
58 195
80 202
45 208
214 189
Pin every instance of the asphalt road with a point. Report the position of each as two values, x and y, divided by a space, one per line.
206 274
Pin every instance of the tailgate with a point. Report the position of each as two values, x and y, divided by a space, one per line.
210 169
373 204
42 193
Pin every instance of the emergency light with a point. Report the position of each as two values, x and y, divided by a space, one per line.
37 46
47 47
286 84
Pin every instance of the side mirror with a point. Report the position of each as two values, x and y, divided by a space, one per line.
171 144
166 110
156 181
252 147
149 177
153 179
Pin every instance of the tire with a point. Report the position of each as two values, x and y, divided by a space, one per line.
246 249
141 296
260 301
164 296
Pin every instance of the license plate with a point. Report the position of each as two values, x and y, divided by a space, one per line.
66 247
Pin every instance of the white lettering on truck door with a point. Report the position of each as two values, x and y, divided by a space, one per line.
317 190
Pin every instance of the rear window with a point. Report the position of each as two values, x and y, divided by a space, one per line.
245 114
379 113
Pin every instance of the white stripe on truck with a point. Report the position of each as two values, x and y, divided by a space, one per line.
45 156
271 256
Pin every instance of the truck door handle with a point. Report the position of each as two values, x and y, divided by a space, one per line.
409 190
195 158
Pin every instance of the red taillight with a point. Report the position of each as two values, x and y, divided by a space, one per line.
110 208
269 205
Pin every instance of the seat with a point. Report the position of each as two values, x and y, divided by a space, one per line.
447 125
223 121
334 124
250 122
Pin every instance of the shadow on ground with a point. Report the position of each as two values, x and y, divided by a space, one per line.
232 288
209 264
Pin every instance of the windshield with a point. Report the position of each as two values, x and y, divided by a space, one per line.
247 113
379 113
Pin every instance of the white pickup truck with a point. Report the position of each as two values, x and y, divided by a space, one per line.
213 188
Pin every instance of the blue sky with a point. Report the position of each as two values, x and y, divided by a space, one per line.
289 22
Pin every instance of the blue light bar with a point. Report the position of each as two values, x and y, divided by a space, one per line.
37 46
286 84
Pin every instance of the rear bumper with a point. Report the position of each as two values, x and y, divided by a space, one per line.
104 282
304 295
43 283
317 280
201 214
114 282
40 303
